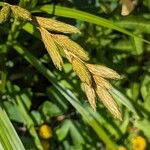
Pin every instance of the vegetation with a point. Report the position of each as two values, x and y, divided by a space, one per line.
74 75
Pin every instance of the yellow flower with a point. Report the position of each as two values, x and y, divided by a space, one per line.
45 131
139 143
122 148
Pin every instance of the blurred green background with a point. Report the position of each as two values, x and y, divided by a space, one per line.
47 107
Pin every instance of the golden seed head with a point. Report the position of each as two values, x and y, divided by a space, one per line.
45 131
108 101
21 13
5 13
82 71
90 93
71 46
54 25
103 71
101 82
51 48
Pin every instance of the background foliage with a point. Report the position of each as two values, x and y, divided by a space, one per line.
34 93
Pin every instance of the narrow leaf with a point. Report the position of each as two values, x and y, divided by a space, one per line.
8 136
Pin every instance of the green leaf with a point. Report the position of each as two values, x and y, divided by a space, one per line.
143 25
76 134
50 109
9 139
69 126
26 100
145 91
109 125
135 90
84 16
145 87
37 118
13 111
124 100
63 130
124 125
143 125
80 15
137 45
60 101
28 121
30 28
122 45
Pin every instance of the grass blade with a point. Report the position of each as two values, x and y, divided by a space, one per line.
124 100
84 16
8 137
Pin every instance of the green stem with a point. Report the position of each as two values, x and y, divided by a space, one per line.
3 80
11 36
28 121
1 3
13 31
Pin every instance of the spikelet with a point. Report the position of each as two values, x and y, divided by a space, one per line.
90 93
102 82
53 25
127 7
51 48
21 13
68 55
71 46
108 101
103 71
82 71
5 13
